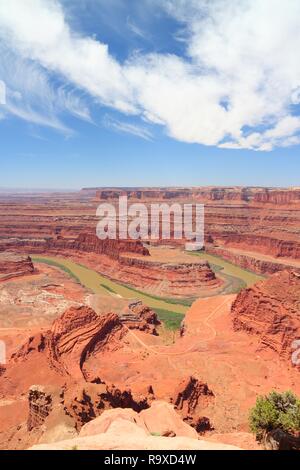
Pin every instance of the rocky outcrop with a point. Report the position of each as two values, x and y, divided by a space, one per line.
162 419
14 265
264 244
184 279
140 317
190 396
124 429
278 196
40 406
75 338
84 402
270 309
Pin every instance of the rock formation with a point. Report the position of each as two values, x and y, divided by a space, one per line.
40 406
271 310
85 401
190 394
124 429
247 194
139 316
85 242
14 265
71 357
77 336
254 262
174 279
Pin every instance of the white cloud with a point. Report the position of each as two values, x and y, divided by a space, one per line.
234 88
135 29
127 128
31 96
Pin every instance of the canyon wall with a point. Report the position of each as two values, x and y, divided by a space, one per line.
262 220
271 310
126 261
252 262
14 265
85 242
241 194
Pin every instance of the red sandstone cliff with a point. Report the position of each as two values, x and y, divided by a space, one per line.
69 360
13 265
74 338
266 220
116 259
242 194
85 242
271 310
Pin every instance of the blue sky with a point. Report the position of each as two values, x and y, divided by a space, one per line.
148 93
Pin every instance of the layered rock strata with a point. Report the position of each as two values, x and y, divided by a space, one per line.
271 310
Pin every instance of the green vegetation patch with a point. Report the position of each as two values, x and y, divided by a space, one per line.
108 288
275 411
171 320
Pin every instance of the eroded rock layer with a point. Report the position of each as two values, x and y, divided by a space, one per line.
77 336
266 220
14 265
127 261
271 310
85 242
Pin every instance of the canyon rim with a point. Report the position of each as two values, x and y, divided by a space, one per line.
149 228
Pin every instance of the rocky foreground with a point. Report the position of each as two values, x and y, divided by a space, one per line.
157 428
65 377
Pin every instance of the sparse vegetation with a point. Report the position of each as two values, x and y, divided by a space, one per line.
171 320
275 411
109 289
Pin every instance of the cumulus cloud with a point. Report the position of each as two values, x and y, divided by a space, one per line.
234 88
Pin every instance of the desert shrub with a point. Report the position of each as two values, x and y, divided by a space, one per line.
275 411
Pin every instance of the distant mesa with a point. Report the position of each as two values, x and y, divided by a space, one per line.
277 196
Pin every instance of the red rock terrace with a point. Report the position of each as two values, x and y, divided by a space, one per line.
14 265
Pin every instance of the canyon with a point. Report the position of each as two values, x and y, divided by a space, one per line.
126 261
229 351
262 221
89 356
